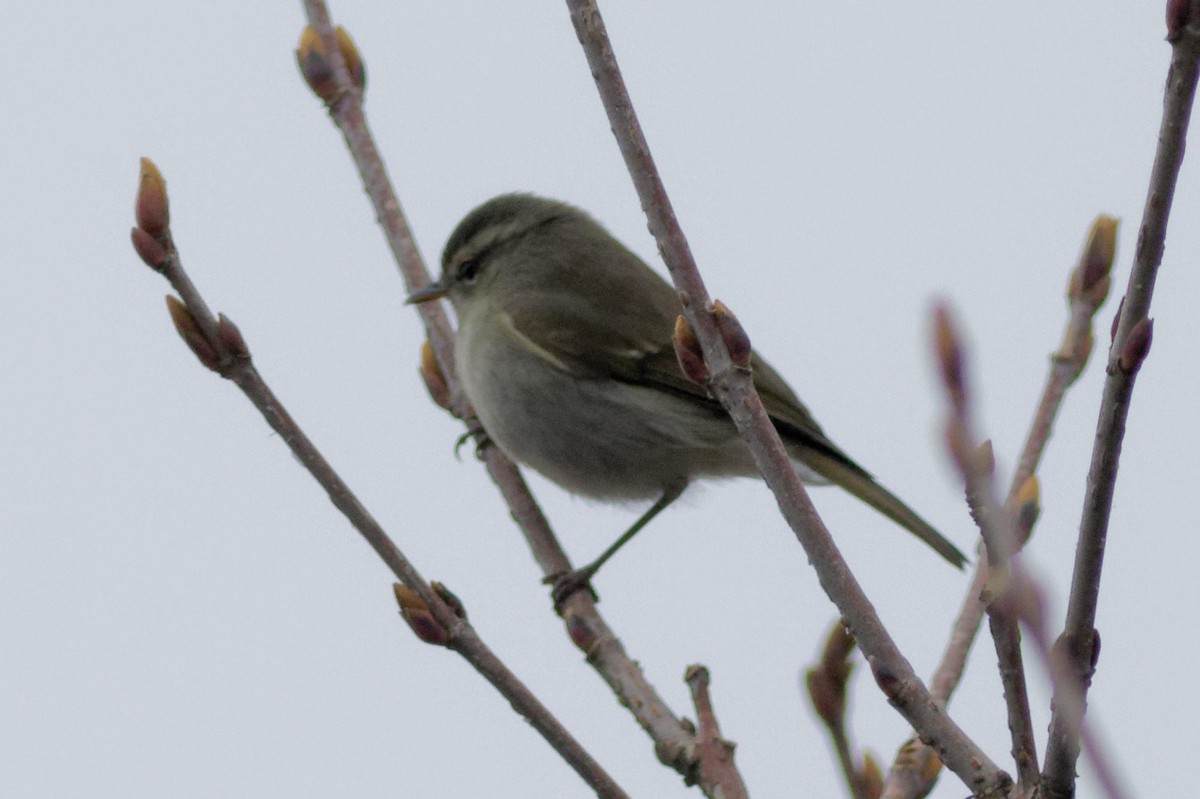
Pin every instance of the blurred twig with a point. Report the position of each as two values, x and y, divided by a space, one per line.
1010 594
826 684
1087 290
975 464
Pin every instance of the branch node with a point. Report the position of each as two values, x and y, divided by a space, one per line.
189 331
1136 346
736 339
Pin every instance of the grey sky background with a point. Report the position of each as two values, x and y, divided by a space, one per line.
183 613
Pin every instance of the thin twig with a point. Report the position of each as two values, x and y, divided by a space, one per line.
1130 345
221 347
733 386
714 754
1088 288
826 684
913 773
1011 595
673 738
1028 601
975 465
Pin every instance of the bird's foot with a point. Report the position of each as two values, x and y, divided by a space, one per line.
482 441
564 584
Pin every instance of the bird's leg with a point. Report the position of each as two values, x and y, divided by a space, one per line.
568 583
474 431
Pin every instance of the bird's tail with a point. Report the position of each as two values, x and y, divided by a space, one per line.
852 478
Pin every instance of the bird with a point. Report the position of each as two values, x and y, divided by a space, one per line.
564 349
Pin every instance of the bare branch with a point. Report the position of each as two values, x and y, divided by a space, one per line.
975 465
1087 290
1130 345
220 346
734 388
1027 601
672 736
714 754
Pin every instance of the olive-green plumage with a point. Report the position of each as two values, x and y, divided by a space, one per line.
564 349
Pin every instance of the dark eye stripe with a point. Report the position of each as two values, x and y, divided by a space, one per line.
468 270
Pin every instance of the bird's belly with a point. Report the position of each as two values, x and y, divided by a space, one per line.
595 437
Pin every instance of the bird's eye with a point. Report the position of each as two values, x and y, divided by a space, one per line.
468 270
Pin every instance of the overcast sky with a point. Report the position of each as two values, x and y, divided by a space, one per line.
183 613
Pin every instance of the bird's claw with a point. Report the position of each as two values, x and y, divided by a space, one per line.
482 442
564 584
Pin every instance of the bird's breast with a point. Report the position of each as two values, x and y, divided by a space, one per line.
596 437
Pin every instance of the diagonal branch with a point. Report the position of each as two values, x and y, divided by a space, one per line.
1131 344
732 385
673 737
220 346
998 528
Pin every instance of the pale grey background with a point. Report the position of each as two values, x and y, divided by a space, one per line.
182 613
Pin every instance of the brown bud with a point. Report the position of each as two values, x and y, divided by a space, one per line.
1086 345
931 765
435 380
312 58
697 675
153 254
407 597
1096 260
949 355
985 458
231 338
958 445
908 755
1177 15
1030 492
579 628
872 776
828 702
687 352
1028 506
736 339
191 334
1099 291
827 682
839 645
353 59
1136 346
885 678
450 598
416 613
425 626
151 209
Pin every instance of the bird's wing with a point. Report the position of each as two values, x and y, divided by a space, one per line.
624 333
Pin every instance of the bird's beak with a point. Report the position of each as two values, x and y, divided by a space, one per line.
434 291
